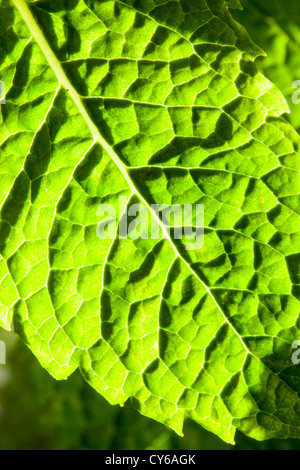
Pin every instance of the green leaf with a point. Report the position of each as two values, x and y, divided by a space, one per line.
156 102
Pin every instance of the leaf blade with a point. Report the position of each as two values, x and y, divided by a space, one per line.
203 374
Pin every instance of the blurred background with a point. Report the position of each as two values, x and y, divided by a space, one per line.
37 412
